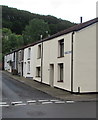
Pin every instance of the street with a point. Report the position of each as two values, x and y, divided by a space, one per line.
22 101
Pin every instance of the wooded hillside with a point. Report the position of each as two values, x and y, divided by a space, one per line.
20 27
16 20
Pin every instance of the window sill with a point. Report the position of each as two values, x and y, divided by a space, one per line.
28 59
28 73
39 58
60 57
60 81
38 76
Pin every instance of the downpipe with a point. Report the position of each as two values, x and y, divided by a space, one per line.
72 38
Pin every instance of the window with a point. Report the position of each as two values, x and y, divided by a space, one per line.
14 56
19 55
39 51
61 48
22 54
60 70
28 67
29 53
38 72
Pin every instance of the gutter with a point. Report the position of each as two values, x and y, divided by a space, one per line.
72 38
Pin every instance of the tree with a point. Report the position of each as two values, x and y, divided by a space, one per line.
34 31
10 41
5 40
20 41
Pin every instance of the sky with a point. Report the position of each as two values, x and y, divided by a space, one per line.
70 10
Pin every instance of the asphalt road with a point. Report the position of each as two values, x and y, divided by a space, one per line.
22 101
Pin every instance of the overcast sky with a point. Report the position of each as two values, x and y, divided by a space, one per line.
70 10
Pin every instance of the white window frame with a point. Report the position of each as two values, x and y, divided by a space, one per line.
60 69
38 71
61 48
39 52
28 67
29 53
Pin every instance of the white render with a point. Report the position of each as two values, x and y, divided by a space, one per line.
25 71
5 63
50 56
8 58
85 59
34 62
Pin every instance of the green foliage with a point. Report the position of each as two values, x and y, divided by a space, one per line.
17 20
34 30
5 40
20 41
10 41
22 27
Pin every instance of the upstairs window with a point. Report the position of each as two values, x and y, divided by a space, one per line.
61 48
60 72
28 69
29 53
22 55
19 57
39 52
38 71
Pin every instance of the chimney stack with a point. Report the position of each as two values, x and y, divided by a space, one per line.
80 19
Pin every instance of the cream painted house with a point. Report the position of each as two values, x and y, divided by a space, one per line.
84 60
65 60
32 62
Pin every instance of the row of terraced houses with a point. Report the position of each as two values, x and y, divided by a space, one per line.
66 60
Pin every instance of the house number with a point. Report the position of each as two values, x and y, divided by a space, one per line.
68 52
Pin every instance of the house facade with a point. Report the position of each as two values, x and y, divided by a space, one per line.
57 63
20 61
84 57
32 62
65 60
11 61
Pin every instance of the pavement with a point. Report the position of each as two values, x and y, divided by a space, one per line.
55 92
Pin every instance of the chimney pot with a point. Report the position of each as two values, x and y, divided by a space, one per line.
80 19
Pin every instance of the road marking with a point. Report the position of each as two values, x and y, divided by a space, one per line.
3 103
70 101
60 102
43 100
31 101
54 100
46 102
20 104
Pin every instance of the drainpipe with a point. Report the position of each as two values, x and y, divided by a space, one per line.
42 63
72 63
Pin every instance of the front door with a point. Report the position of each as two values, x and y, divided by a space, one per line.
22 68
51 74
